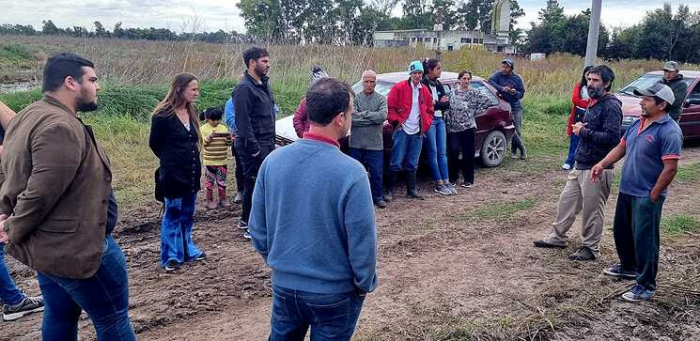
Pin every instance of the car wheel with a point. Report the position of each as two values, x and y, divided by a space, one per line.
493 150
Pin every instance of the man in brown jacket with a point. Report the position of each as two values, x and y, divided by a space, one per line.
58 196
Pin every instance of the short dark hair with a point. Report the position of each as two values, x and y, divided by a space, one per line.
605 73
327 98
464 72
211 113
62 65
254 53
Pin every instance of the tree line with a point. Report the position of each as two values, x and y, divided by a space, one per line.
661 33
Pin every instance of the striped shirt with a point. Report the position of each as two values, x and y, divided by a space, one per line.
215 147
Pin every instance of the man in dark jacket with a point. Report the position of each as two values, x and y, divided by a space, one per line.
254 105
511 88
674 80
599 133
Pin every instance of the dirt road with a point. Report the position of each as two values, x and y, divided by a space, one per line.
454 267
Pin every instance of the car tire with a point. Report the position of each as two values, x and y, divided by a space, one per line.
493 150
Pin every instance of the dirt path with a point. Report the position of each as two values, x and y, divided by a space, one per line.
449 268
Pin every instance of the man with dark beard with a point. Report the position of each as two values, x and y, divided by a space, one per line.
599 133
254 105
57 193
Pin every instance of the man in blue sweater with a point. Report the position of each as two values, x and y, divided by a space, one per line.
511 89
313 222
229 115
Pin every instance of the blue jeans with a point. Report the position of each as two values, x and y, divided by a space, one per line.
104 297
9 294
637 240
176 231
331 316
405 152
374 161
436 149
573 143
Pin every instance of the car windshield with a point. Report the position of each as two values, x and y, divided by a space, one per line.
382 88
645 82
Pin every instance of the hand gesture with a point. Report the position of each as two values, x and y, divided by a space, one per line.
596 171
577 127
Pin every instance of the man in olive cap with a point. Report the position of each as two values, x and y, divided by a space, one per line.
674 80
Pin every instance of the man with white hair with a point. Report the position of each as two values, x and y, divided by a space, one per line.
651 147
366 143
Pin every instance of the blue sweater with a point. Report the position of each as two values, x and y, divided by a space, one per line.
229 116
313 220
499 80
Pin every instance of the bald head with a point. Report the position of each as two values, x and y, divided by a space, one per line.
369 81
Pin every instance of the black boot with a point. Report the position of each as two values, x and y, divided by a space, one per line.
411 191
391 181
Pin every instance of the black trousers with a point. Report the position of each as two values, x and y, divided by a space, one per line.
463 142
251 166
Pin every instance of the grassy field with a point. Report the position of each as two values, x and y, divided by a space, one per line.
135 75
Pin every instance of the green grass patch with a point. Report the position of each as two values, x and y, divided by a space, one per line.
499 211
690 172
680 224
15 53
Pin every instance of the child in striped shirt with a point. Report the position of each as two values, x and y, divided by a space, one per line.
216 140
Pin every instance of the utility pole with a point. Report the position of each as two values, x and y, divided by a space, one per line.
593 32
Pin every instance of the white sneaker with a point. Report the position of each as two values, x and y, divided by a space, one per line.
566 166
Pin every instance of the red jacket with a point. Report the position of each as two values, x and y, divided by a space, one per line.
400 101
301 120
578 102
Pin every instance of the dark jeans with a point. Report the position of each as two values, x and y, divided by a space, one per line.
9 294
462 141
331 316
573 143
176 241
636 232
406 151
104 297
251 166
238 170
517 140
374 161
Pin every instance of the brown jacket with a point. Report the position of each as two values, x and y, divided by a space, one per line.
56 186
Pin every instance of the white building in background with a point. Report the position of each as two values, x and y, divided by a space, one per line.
447 40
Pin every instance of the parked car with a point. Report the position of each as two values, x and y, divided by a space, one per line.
690 117
494 125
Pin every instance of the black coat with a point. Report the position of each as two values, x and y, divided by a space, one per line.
178 150
601 133
254 105
440 89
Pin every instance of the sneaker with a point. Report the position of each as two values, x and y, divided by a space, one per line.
380 204
452 188
513 155
223 203
242 225
442 189
172 265
27 306
582 254
467 185
617 271
247 235
201 257
544 244
638 293
566 166
238 198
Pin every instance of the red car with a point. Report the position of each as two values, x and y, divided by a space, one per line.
494 125
690 117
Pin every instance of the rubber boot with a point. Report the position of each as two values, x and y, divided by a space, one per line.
223 203
411 191
210 200
389 191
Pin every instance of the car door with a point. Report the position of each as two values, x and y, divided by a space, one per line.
690 119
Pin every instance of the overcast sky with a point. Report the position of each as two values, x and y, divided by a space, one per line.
212 15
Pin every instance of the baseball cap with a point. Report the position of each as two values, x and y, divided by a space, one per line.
670 66
415 66
509 62
657 90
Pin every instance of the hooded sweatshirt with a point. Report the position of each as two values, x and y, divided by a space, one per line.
680 88
601 133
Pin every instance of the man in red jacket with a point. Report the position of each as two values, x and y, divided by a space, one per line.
411 113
